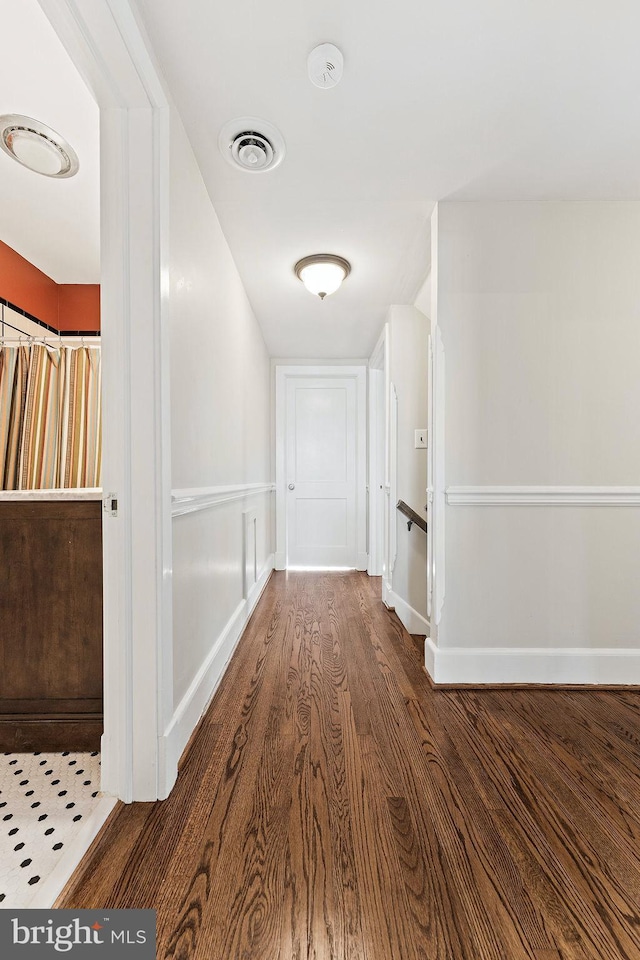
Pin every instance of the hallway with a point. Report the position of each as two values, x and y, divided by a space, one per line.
334 805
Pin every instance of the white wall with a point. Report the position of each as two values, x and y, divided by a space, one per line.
220 435
423 296
409 330
538 305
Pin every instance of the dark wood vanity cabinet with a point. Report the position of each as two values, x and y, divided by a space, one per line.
51 662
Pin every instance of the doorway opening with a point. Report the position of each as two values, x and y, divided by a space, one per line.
51 649
321 505
105 46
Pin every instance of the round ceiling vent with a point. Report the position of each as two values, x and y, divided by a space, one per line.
251 151
37 146
252 145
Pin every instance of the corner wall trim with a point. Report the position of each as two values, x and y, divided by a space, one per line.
539 665
412 621
206 681
193 499
544 496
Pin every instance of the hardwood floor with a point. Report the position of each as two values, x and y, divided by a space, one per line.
335 805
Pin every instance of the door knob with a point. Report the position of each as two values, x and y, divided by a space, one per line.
292 486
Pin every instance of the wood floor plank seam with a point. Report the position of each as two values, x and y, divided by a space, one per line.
569 876
593 778
459 856
335 805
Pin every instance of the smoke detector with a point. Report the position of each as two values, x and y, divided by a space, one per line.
251 145
325 65
37 146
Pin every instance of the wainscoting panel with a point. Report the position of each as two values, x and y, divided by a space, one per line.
541 586
222 559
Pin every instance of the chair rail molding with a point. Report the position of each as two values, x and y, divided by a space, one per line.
193 499
587 496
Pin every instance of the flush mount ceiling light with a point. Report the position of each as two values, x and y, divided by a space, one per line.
251 145
322 273
37 146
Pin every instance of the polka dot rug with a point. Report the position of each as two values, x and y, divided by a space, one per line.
44 797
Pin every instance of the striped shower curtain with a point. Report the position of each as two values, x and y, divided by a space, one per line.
81 424
50 417
14 371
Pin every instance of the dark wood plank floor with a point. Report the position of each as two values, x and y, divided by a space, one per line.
335 806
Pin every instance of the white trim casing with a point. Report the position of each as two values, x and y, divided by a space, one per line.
107 46
436 481
389 516
568 665
393 480
483 496
359 374
429 490
205 683
376 455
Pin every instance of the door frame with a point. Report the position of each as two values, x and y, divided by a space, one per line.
378 375
108 47
285 372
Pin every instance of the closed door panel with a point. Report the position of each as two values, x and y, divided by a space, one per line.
321 471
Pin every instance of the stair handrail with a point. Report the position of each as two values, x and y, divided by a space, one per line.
412 516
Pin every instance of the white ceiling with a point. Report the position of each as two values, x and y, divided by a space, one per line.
460 99
440 99
53 223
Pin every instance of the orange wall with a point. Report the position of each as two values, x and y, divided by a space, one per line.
65 306
27 287
79 306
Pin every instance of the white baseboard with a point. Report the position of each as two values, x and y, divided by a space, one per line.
204 685
568 665
280 563
430 651
387 592
412 621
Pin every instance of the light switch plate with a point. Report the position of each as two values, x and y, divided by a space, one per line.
421 438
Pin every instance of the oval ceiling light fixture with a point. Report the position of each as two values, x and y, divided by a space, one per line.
322 273
251 145
325 65
37 146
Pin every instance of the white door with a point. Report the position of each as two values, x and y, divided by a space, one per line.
321 472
